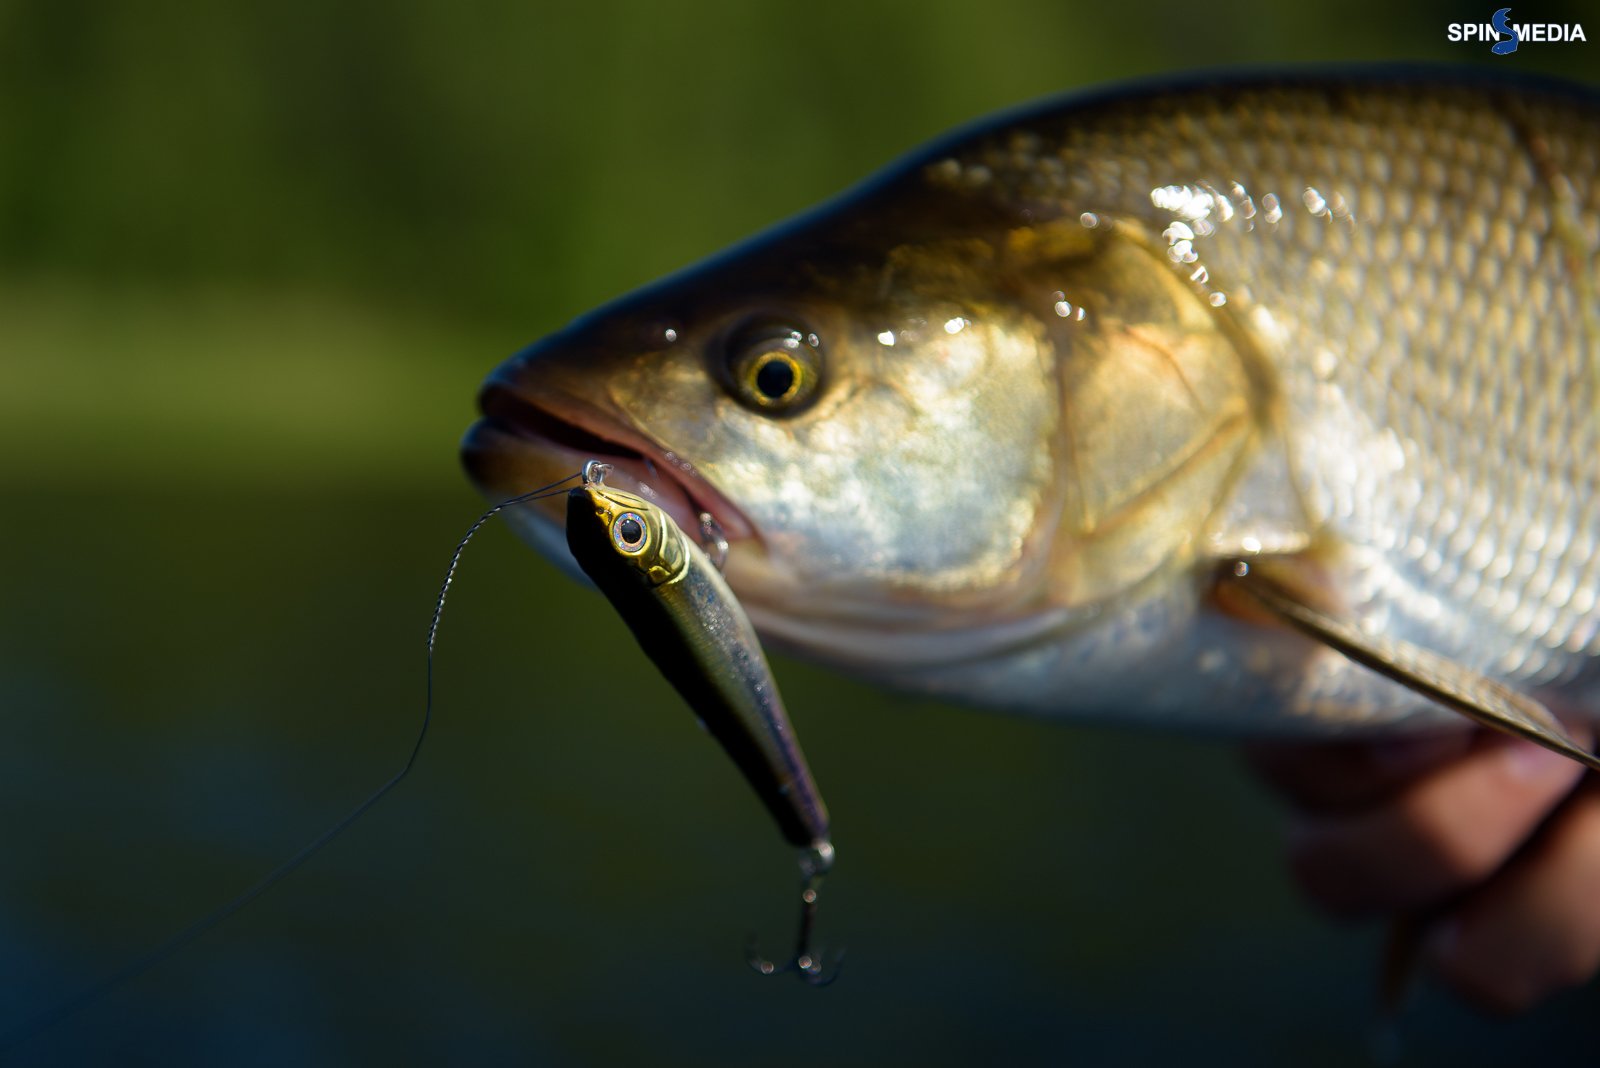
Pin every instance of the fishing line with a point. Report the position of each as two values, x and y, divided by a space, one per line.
83 1000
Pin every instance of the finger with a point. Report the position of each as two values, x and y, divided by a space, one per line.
1535 927
1343 776
1440 835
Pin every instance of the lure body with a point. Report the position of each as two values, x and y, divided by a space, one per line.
987 425
690 624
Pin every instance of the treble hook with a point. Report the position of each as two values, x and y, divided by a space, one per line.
814 864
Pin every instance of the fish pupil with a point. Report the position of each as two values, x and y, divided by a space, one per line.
630 530
775 378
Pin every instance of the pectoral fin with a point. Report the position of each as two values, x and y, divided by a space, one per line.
1435 677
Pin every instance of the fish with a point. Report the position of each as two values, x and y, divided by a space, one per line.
1002 423
692 627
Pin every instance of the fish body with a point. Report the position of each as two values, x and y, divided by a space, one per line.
690 624
986 425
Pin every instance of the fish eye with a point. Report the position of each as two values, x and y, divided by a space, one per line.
774 368
629 532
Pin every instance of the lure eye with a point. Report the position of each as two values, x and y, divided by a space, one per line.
629 532
774 369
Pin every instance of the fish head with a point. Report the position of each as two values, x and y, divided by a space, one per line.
923 420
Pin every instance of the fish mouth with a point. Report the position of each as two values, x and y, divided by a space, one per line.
526 440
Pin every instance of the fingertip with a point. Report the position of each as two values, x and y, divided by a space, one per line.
1532 764
1535 928
1346 776
1439 836
1408 756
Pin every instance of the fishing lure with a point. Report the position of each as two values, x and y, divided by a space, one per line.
687 620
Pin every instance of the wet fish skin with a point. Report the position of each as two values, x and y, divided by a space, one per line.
1346 319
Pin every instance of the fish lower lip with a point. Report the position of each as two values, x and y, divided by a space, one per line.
638 466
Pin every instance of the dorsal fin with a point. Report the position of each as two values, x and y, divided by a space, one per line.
1435 677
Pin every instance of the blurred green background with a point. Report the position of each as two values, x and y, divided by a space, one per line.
254 258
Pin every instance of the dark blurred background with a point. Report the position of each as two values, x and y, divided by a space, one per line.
254 258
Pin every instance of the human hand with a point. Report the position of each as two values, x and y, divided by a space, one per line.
1486 829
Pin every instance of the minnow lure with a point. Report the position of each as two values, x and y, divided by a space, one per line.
692 627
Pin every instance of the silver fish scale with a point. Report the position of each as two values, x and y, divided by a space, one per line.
1425 311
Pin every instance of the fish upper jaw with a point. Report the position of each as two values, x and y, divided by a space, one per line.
533 433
